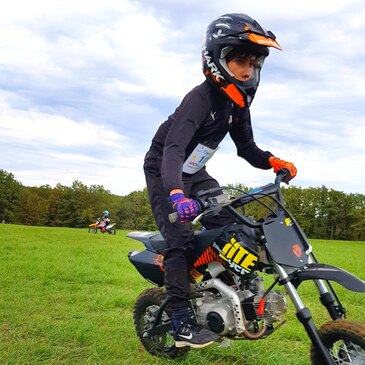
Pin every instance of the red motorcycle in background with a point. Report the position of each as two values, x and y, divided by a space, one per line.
99 225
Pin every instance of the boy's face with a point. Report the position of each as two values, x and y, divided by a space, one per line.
243 67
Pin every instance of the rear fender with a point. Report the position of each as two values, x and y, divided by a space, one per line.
328 272
149 264
153 241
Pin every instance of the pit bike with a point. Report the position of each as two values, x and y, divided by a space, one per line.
227 293
110 228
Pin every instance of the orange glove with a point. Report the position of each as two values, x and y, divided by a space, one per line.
278 164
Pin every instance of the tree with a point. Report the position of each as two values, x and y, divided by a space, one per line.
33 207
135 212
10 191
357 231
54 212
303 204
321 212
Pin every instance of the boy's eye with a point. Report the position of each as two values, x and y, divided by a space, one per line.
251 61
241 61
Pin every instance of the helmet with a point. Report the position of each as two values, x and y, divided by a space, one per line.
229 32
105 213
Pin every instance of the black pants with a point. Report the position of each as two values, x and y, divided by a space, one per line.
178 236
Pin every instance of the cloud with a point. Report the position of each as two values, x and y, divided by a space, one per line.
50 149
37 128
84 86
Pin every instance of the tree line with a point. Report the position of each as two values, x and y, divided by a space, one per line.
322 213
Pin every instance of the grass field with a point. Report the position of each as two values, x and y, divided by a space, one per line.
66 297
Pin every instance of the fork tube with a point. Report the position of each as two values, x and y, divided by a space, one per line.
304 315
290 288
329 298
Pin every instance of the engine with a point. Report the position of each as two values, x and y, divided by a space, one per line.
215 311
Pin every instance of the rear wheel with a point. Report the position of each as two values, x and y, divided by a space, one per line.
145 311
112 231
345 341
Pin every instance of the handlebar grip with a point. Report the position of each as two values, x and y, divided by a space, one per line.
283 175
173 217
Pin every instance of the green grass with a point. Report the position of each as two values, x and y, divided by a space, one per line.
66 297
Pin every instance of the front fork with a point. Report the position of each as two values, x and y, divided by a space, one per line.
304 315
328 297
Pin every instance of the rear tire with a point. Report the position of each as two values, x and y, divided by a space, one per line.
345 341
112 231
145 311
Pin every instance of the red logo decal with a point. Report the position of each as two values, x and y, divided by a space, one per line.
159 261
297 250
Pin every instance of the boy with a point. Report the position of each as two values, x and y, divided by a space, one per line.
105 222
233 53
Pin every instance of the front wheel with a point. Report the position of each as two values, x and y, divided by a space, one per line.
92 230
145 311
345 340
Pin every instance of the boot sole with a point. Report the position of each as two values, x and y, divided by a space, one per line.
193 345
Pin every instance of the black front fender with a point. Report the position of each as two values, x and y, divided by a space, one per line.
328 272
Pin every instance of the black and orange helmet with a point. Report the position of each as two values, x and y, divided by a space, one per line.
228 32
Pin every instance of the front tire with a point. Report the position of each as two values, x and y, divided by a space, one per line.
145 310
93 230
345 340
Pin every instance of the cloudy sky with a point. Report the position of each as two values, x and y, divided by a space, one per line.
84 85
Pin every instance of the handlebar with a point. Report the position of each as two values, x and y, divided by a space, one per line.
283 175
211 206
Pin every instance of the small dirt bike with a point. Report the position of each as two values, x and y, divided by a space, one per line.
110 228
227 294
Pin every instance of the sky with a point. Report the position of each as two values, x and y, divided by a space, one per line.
85 84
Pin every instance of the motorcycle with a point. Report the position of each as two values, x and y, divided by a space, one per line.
227 293
110 228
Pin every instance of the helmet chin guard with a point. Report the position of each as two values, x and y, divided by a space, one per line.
228 32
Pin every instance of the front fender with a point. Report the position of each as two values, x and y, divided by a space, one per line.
327 272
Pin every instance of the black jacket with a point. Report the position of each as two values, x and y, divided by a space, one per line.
204 116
